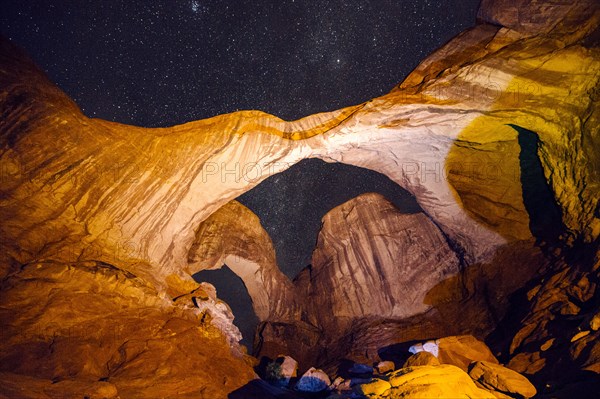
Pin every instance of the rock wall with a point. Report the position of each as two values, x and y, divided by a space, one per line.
90 329
380 277
373 261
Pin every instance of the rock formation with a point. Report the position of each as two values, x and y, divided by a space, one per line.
550 334
89 329
233 236
422 382
373 261
495 134
136 194
380 277
502 380
424 376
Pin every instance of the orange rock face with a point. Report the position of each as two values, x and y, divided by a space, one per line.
91 329
461 351
234 236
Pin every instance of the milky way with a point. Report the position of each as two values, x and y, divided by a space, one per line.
159 63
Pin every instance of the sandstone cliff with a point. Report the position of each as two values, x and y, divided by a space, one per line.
380 277
89 329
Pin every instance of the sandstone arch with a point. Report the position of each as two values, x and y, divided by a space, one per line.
79 188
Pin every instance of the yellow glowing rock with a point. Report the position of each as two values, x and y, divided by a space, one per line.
374 389
462 350
580 335
425 382
547 345
595 322
422 358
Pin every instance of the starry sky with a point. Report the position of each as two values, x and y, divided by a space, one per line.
161 63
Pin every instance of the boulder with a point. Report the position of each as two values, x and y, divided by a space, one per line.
385 367
595 322
462 350
337 383
373 389
429 346
344 385
314 380
496 377
422 358
580 335
426 382
282 370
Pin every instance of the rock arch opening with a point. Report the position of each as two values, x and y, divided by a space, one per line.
290 207
291 204
545 216
232 290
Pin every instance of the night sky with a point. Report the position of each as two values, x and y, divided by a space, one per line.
160 63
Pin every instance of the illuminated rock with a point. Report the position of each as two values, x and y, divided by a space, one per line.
542 341
498 378
115 191
385 367
120 193
375 388
89 328
422 358
429 346
444 381
314 380
372 260
281 371
462 350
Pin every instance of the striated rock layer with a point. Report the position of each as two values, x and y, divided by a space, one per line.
373 261
379 278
